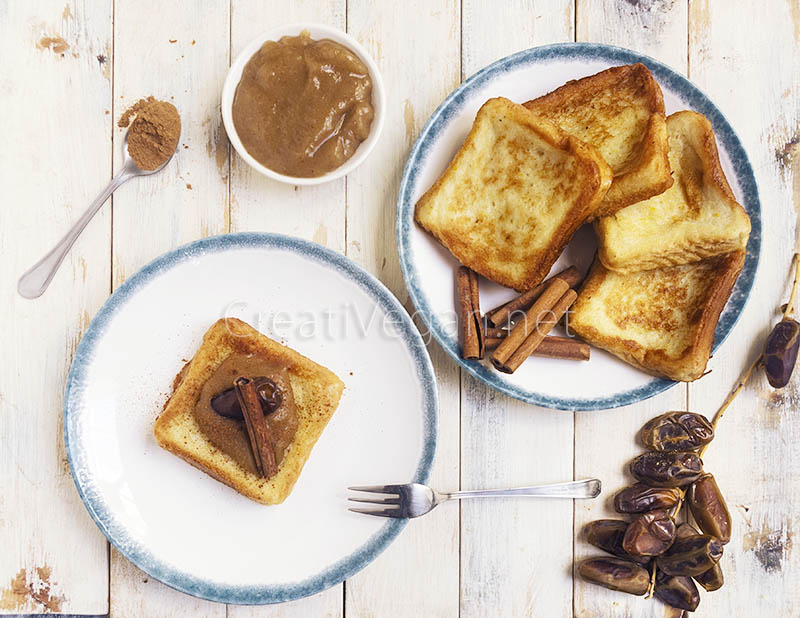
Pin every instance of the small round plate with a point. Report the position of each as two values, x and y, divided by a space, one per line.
180 525
604 381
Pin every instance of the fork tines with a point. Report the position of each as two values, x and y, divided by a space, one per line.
377 489
388 495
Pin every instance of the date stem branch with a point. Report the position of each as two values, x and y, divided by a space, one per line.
788 308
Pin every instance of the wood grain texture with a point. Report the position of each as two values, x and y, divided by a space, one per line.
606 441
55 96
515 554
754 453
259 204
184 62
416 46
183 59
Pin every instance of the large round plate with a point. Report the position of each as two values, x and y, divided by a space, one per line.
178 524
603 382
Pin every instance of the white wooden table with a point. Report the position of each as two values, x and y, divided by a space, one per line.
504 558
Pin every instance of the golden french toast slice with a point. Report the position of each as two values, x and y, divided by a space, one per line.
697 217
315 389
513 195
661 321
619 111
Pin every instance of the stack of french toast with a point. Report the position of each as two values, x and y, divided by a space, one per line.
671 236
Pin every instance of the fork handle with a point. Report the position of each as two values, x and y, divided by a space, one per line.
588 488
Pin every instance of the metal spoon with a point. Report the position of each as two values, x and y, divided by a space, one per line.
34 282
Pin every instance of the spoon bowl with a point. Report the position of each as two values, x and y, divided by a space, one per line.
129 164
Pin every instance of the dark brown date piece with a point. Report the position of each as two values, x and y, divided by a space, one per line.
667 469
686 529
270 396
616 574
780 353
691 555
607 534
709 509
649 534
677 431
677 591
712 579
640 498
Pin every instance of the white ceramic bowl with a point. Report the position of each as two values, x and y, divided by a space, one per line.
317 31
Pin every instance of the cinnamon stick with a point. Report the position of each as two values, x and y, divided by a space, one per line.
491 332
527 324
553 346
537 323
469 314
502 315
475 299
257 428
543 327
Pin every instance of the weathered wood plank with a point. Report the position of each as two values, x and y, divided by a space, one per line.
515 554
56 158
416 45
259 204
181 56
753 456
605 441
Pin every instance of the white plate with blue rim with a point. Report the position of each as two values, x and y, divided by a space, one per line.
180 525
604 381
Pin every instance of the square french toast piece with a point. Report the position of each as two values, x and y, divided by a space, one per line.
661 321
513 195
620 112
190 428
696 218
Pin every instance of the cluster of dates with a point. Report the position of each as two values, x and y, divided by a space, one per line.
682 554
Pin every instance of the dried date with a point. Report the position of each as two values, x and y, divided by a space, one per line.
616 574
607 534
677 591
639 498
691 555
667 469
677 431
649 534
709 509
780 352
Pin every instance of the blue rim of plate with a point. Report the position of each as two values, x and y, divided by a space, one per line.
453 104
137 552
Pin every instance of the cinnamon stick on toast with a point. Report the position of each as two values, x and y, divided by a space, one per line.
257 428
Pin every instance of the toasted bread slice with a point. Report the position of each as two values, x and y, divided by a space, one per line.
619 111
696 218
513 195
316 393
660 320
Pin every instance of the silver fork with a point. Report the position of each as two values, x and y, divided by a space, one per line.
413 499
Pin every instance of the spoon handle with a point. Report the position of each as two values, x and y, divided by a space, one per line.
35 280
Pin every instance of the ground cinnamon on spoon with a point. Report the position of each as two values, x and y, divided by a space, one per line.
153 134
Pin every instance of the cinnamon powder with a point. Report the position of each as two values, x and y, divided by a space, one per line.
153 134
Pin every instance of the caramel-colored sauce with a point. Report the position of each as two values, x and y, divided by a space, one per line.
230 435
302 106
